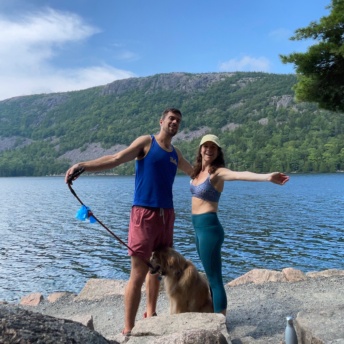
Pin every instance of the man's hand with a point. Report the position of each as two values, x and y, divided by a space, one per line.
73 173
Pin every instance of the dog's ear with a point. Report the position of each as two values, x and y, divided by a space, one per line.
175 264
189 274
170 261
189 271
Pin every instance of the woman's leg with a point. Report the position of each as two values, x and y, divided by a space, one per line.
209 239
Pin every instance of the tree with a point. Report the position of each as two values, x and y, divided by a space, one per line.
320 71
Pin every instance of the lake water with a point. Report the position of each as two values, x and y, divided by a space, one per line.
43 248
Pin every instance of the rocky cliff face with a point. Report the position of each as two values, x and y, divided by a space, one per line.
174 81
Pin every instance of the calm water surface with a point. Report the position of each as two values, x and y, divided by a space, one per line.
43 248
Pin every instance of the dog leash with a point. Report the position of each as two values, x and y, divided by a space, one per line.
90 214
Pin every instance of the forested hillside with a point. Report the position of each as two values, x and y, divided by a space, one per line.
254 114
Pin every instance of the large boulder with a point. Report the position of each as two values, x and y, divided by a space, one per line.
18 325
97 289
322 327
184 328
259 276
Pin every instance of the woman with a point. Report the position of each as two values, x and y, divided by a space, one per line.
206 186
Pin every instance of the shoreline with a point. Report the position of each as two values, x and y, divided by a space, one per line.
255 276
256 309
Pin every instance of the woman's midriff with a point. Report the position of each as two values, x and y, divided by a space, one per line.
199 206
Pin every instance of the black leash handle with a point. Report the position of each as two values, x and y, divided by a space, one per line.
75 175
70 179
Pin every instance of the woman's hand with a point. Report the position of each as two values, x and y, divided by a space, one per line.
278 178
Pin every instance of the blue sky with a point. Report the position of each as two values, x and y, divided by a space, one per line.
63 45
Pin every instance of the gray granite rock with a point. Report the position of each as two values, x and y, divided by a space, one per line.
323 327
22 326
256 312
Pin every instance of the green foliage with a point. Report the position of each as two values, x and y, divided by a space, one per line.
320 71
261 127
37 159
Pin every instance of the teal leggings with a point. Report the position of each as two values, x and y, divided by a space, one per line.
209 239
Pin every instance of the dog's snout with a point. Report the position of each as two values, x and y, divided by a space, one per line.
155 270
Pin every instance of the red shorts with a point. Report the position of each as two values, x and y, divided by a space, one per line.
149 229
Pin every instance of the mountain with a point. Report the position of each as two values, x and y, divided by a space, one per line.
254 114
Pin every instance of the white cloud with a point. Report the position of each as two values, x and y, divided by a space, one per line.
28 45
245 64
60 81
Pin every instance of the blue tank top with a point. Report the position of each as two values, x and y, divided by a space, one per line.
155 176
205 191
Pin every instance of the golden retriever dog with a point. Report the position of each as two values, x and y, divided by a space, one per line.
186 288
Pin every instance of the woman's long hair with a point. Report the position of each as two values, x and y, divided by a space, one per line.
217 163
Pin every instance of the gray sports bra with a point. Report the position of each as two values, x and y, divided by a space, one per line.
205 191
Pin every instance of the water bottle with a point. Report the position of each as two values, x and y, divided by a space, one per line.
290 333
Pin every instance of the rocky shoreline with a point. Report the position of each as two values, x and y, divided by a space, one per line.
258 304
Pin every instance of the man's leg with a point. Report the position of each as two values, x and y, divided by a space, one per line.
132 294
165 221
152 293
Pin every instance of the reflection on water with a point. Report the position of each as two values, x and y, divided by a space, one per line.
44 248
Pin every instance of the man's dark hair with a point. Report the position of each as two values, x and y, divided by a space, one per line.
173 110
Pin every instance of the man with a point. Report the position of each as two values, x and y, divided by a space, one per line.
152 215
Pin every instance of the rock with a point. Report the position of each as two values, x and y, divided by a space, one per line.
183 82
188 136
281 101
89 152
85 319
250 340
96 289
184 328
7 143
293 275
323 327
22 326
56 296
32 299
186 337
325 273
263 121
231 126
255 315
259 276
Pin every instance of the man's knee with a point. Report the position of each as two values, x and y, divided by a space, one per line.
139 269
